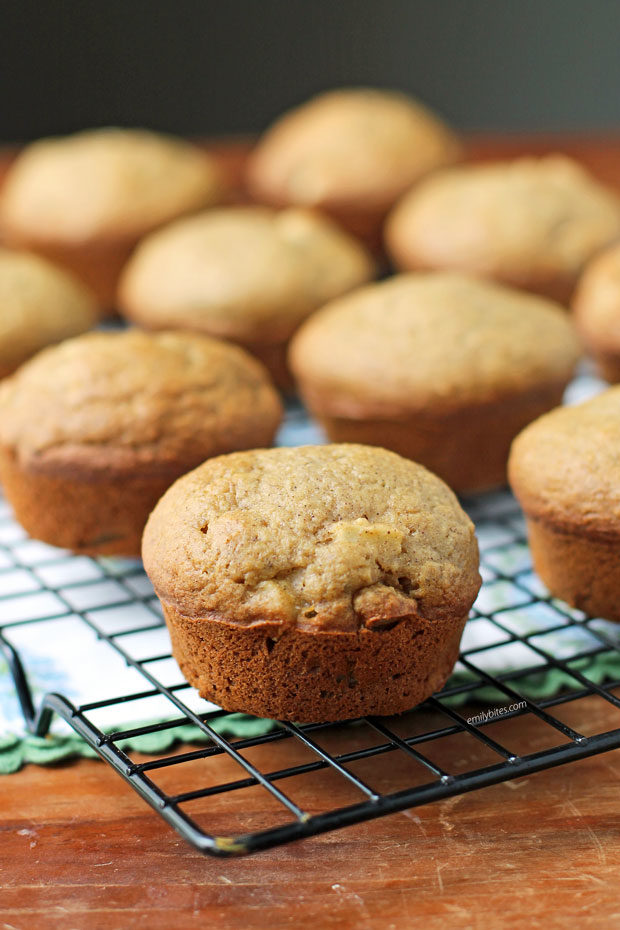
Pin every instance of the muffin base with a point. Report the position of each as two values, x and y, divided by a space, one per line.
314 677
580 569
467 447
94 515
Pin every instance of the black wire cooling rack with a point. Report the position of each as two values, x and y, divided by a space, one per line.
363 769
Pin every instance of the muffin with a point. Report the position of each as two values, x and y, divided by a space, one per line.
249 274
596 307
533 223
94 430
441 368
85 200
565 471
351 153
41 304
314 583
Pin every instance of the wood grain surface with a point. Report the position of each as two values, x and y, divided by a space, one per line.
79 850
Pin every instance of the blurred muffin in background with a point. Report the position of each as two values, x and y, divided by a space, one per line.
94 430
85 200
532 223
351 153
597 311
442 368
249 274
39 304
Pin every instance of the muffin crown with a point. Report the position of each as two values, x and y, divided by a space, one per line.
327 538
565 467
349 146
243 272
41 304
133 399
440 339
525 221
104 184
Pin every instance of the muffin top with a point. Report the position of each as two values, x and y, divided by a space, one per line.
349 146
597 302
132 399
244 272
40 305
521 221
565 466
440 339
104 184
334 537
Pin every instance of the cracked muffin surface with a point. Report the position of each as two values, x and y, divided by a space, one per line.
314 538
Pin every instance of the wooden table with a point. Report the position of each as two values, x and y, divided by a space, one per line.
79 850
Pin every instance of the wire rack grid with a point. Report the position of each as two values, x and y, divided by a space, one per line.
112 601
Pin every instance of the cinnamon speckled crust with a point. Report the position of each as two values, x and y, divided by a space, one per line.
596 307
313 583
531 222
314 537
249 274
439 367
84 200
565 471
350 152
40 305
107 421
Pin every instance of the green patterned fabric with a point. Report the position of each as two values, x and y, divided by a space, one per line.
16 751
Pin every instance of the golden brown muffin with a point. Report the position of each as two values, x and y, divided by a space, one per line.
442 368
532 222
39 305
315 583
597 311
351 153
565 472
94 430
85 200
249 274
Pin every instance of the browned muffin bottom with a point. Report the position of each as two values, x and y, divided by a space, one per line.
564 470
441 368
315 677
314 583
94 430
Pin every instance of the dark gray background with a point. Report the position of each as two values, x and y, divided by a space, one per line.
230 66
